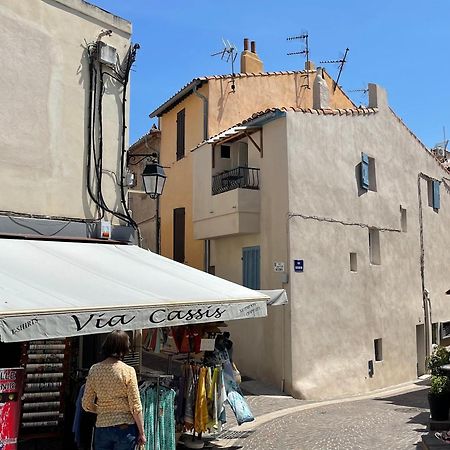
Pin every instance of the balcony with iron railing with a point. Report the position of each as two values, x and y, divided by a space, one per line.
238 178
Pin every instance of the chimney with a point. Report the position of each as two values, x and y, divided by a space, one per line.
250 61
377 96
321 93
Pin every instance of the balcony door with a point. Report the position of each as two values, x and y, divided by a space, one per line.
239 155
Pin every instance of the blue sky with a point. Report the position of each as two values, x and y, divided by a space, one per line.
401 45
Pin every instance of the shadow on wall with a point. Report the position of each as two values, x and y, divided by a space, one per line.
225 92
301 86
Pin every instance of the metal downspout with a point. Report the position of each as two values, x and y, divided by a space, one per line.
425 294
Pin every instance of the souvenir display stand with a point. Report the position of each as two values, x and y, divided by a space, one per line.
46 365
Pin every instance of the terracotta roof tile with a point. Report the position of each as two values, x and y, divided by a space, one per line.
324 112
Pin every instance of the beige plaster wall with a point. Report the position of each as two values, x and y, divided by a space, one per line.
257 93
225 110
337 314
43 127
178 187
262 346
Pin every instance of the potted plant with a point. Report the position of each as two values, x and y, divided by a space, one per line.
439 395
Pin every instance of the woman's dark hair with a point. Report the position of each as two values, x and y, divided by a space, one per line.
116 345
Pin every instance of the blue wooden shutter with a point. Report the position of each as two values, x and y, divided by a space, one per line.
436 194
251 267
364 171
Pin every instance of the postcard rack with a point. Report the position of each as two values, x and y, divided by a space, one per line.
46 368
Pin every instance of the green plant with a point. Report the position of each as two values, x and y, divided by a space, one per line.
438 358
440 384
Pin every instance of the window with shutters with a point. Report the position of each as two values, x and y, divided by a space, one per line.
368 173
251 267
178 234
434 194
180 134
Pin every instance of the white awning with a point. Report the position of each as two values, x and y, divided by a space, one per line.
51 289
277 297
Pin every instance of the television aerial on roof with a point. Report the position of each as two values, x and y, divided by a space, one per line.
228 54
362 91
341 61
304 37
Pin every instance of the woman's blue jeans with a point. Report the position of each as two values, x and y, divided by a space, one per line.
118 437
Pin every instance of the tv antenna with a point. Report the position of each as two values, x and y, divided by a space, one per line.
304 37
362 91
229 54
341 63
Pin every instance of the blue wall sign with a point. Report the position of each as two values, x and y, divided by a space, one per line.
298 265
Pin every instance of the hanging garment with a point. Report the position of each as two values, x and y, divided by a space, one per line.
180 398
189 400
76 427
201 406
209 398
213 400
240 407
221 399
159 416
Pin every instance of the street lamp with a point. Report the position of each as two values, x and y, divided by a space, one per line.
153 175
154 179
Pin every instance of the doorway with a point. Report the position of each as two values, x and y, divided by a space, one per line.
420 346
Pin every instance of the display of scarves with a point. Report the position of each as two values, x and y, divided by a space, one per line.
190 394
201 405
165 416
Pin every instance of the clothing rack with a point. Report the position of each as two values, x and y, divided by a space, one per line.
158 378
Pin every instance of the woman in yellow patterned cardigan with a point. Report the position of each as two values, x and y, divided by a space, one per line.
112 393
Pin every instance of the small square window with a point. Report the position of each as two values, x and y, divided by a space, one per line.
378 347
353 262
225 151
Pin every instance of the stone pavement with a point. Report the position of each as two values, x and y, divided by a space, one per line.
393 419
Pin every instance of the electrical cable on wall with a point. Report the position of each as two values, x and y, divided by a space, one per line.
97 72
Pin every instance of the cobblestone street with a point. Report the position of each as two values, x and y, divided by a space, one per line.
385 422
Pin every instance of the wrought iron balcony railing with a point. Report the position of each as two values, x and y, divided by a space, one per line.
239 177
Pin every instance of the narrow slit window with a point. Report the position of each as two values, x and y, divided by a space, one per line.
403 220
374 246
378 347
353 262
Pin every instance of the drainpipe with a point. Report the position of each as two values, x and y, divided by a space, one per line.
425 294
207 248
205 112
158 228
207 255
